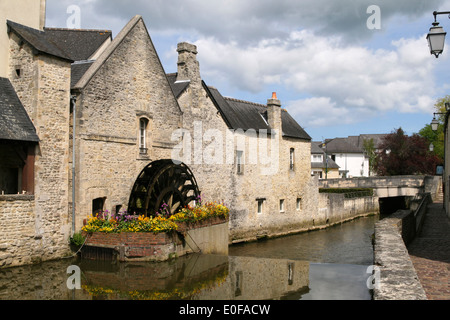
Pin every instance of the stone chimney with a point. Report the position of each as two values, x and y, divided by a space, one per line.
274 113
188 66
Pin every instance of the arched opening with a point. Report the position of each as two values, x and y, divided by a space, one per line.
163 183
391 205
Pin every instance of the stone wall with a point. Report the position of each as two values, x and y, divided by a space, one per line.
397 277
335 208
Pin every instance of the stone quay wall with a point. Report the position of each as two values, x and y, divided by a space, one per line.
397 277
335 208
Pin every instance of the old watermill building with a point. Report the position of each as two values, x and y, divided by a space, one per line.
91 123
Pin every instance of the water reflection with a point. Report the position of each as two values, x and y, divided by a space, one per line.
330 264
195 277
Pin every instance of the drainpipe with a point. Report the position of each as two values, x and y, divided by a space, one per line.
73 101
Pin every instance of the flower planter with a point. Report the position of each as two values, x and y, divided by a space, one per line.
142 246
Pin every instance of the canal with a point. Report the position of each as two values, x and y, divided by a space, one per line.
329 264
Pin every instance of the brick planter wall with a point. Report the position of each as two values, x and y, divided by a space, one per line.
127 246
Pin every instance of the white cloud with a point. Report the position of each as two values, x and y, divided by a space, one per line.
350 81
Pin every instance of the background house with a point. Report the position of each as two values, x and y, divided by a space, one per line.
321 165
350 155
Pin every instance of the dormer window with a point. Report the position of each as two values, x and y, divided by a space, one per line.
317 158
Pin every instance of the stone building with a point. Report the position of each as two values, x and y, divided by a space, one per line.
92 124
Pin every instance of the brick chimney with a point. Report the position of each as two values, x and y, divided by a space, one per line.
274 113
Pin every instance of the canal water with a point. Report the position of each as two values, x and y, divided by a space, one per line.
330 264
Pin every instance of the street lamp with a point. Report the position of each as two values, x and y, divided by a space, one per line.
434 124
436 36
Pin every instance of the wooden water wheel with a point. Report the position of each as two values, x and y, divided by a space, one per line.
163 183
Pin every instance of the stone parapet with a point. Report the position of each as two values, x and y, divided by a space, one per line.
397 277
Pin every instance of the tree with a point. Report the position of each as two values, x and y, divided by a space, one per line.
403 155
437 138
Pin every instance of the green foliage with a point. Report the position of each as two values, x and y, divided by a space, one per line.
437 138
77 239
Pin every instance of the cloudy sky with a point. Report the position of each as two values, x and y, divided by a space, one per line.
340 67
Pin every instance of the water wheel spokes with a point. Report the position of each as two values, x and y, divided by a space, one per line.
163 187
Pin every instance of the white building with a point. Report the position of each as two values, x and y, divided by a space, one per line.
350 156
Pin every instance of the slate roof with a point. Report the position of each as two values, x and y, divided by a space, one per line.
38 40
78 71
15 123
78 44
352 144
240 114
316 149
67 44
74 45
177 87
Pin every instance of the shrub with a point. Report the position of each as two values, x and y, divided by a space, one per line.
77 239
349 192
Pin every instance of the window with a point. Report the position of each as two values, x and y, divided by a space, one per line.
260 205
282 205
98 205
299 204
290 273
318 173
143 124
17 166
292 159
239 162
317 158
18 72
